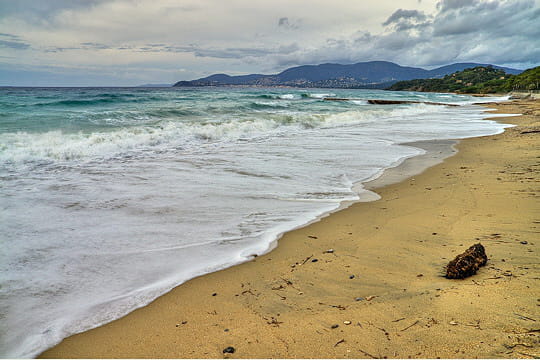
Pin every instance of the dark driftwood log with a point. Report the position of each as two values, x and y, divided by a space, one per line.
468 263
397 102
388 102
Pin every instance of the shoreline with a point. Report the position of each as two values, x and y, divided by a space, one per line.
267 316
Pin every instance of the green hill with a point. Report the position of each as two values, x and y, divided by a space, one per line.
480 79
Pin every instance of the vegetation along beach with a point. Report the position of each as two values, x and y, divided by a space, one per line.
207 179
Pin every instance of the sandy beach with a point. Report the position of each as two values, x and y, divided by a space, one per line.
367 281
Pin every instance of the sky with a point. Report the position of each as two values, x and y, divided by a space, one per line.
133 42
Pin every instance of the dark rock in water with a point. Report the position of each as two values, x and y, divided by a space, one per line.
229 350
467 263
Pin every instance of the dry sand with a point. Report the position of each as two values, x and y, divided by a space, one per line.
285 305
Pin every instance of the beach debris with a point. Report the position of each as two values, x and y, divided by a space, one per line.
359 299
351 277
523 317
335 326
523 242
453 323
410 326
340 307
329 251
467 263
229 350
419 275
314 260
347 322
306 260
339 342
370 297
214 294
274 322
312 237
368 354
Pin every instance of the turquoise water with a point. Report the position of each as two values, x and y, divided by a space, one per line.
109 197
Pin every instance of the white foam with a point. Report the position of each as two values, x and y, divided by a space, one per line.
287 96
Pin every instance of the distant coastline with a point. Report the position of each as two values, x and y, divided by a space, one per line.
362 75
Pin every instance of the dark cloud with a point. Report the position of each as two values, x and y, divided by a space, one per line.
501 32
445 5
407 15
285 23
13 42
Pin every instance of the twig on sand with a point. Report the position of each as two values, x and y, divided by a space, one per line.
398 319
368 354
524 317
306 259
410 326
339 342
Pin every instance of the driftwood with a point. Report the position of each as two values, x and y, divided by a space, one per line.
468 263
397 102
389 102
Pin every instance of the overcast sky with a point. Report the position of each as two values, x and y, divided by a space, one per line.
132 42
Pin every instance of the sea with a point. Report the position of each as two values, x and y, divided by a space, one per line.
110 197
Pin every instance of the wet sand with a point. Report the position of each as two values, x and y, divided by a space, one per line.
380 291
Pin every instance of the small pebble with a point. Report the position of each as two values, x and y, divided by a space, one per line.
226 330
300 293
359 299
329 251
453 323
523 242
214 294
335 326
314 260
351 277
229 350
347 322
419 275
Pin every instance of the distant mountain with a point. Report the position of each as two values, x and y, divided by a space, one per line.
478 79
372 74
450 69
